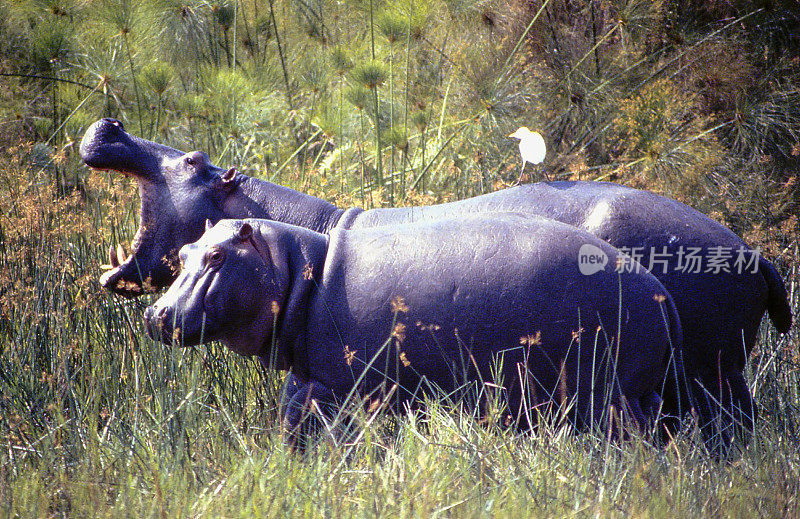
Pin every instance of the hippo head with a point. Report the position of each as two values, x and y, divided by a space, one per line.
231 287
178 191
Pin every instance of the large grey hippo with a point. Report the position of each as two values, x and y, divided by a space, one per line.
720 308
438 307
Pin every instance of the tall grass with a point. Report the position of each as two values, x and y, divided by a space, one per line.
633 91
97 419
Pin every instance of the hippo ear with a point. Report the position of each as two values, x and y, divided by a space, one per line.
226 183
229 175
245 231
209 225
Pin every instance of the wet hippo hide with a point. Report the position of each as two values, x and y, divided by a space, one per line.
720 310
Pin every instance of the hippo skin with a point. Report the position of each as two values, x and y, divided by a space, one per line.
465 302
720 313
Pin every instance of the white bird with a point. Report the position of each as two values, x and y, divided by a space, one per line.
531 147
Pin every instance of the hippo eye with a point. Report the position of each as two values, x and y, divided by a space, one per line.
215 257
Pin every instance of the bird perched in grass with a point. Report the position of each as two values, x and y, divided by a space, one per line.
531 147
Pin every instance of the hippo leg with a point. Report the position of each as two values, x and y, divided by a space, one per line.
302 405
665 424
677 397
633 419
743 407
726 410
291 385
619 417
709 416
651 405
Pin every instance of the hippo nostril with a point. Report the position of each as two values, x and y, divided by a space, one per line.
155 315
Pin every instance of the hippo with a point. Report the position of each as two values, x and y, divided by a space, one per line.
720 308
403 311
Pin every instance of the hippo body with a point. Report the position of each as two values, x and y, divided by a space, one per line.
711 304
432 307
720 304
720 311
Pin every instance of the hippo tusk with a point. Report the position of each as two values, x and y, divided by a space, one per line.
113 258
120 253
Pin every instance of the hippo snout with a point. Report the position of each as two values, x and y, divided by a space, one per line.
104 141
170 324
106 145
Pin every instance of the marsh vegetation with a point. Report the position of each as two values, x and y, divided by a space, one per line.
370 103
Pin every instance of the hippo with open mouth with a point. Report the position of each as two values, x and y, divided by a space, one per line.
720 307
432 308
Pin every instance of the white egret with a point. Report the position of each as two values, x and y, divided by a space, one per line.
531 147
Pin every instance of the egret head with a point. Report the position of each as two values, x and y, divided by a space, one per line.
521 133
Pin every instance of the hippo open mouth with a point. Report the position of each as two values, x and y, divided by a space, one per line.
179 193
152 263
148 267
